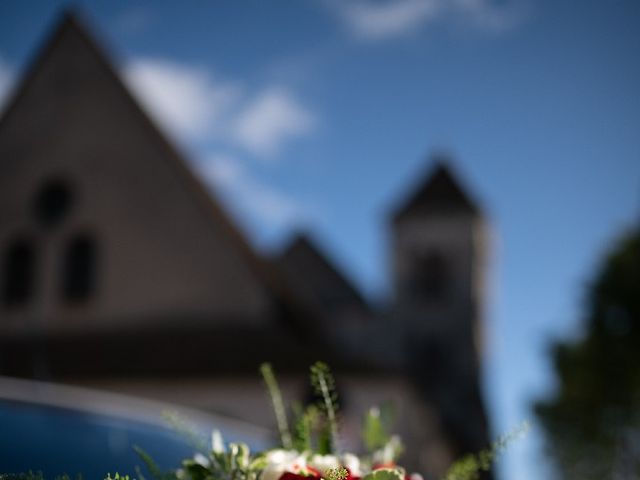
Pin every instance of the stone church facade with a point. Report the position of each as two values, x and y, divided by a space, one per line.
119 270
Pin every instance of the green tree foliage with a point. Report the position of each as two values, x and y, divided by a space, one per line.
592 423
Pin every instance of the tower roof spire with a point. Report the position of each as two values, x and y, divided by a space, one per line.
439 192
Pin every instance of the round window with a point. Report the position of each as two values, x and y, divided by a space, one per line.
53 202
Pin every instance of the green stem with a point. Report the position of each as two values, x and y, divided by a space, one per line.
278 404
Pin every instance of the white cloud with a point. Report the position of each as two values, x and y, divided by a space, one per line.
7 78
377 20
271 118
188 101
184 99
492 16
253 197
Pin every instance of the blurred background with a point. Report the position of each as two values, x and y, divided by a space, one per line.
339 138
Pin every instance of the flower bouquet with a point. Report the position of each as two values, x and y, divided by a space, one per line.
310 449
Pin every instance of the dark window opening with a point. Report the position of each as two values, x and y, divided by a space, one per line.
79 269
430 280
19 274
53 202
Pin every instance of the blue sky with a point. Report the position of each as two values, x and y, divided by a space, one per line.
321 114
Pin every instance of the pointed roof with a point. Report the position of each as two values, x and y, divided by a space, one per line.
439 192
69 23
315 278
71 29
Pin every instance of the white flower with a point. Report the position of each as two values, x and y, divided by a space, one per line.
352 463
322 463
416 476
217 444
280 461
387 454
201 459
279 456
272 472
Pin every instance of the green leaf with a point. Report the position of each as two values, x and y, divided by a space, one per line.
195 470
239 453
278 405
470 466
385 474
305 420
324 385
152 466
258 463
221 461
374 433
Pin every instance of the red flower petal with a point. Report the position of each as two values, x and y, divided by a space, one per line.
313 474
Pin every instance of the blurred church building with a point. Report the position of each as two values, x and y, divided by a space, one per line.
119 270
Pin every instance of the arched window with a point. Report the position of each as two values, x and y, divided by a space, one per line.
18 273
52 202
430 280
79 269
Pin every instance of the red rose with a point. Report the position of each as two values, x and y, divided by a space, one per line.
350 476
310 474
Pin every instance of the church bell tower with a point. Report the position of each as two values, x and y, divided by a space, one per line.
438 265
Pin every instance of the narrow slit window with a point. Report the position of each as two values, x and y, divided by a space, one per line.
19 273
79 269
431 278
